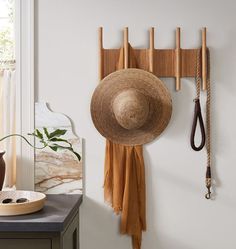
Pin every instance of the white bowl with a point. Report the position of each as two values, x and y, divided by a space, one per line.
35 202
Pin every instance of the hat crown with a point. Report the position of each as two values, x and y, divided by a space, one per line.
131 109
113 101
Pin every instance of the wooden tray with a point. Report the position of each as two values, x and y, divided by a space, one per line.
35 202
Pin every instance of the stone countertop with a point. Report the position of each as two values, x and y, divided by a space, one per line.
59 209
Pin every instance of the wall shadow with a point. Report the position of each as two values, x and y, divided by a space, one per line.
153 238
100 227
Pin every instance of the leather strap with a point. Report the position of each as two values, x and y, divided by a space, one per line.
197 117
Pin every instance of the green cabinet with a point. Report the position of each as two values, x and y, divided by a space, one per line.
55 227
25 243
68 239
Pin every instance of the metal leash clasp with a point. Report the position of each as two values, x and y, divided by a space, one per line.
208 182
208 194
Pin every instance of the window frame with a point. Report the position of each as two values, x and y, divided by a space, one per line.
24 37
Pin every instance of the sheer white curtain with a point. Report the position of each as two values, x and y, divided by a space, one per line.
8 122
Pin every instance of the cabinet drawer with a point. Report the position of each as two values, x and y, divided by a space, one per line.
25 243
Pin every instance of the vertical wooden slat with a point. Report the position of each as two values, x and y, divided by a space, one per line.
178 61
175 62
101 54
151 49
204 60
126 48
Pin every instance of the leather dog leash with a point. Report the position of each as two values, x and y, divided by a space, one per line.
197 117
205 136
208 127
197 109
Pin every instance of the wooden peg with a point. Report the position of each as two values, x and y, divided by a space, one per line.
100 48
204 60
151 49
126 48
177 61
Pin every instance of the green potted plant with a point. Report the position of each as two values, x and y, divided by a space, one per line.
53 140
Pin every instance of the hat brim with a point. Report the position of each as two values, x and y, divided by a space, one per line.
147 84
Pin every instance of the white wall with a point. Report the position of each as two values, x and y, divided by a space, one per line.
178 215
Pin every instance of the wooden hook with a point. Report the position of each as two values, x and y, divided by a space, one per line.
177 61
126 48
151 49
204 60
100 49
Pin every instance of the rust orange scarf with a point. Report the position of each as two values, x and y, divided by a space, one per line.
124 183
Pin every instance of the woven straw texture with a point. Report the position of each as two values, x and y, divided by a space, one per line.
157 95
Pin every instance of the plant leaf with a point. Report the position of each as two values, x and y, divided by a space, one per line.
39 134
67 148
43 142
57 133
53 147
32 134
46 132
56 139
77 155
61 146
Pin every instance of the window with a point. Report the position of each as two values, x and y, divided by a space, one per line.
17 55
7 51
8 87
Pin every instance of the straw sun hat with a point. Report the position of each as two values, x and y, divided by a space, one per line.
131 107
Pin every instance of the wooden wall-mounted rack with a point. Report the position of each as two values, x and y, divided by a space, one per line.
177 62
